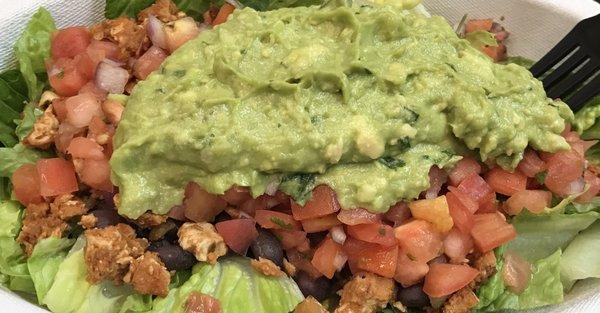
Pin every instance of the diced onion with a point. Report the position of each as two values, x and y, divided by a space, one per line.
576 186
339 261
111 78
271 188
156 32
516 272
338 235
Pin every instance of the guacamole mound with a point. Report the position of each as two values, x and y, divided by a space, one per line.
364 99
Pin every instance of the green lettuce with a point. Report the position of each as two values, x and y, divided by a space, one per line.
12 158
593 205
581 259
44 261
13 95
480 38
237 286
14 273
25 125
544 288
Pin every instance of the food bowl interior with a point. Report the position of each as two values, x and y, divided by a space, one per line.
535 26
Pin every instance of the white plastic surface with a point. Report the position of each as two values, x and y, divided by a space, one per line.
535 26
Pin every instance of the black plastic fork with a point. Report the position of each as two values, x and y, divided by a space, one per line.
571 63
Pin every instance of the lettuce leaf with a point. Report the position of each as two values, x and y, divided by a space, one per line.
30 114
44 261
237 286
12 158
581 259
13 264
541 235
593 205
13 95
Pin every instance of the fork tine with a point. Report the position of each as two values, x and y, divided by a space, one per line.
586 93
567 85
570 64
561 50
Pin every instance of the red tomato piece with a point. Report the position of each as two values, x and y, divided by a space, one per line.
237 195
461 215
69 42
482 24
497 53
358 216
82 108
409 272
238 234
319 224
200 205
223 14
91 88
85 65
531 164
26 184
564 167
457 245
446 279
477 188
96 174
398 213
180 32
490 206
324 259
533 200
60 108
65 78
420 240
323 202
276 220
84 148
302 261
201 303
290 238
375 233
505 182
379 260
149 62
56 177
105 48
463 169
491 230
65 134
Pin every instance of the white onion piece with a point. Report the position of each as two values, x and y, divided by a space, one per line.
156 32
339 261
271 188
338 235
113 62
111 78
235 3
54 70
576 186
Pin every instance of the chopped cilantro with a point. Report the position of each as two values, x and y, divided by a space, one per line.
391 162
279 222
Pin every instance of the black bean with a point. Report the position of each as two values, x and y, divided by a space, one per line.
266 245
318 288
107 217
174 257
413 297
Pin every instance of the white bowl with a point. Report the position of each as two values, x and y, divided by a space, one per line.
535 26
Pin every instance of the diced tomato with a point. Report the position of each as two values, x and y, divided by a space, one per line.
65 78
461 215
200 205
69 42
491 230
475 187
474 25
434 211
497 53
177 213
446 279
223 14
593 183
564 167
398 213
85 65
149 62
106 48
26 184
466 200
252 205
375 233
323 202
420 240
531 164
84 148
357 216
505 182
304 247
302 262
319 224
180 32
276 220
463 169
437 178
201 303
324 259
98 129
238 234
60 108
91 88
409 272
290 238
372 257
237 195
490 206
533 200
82 108
96 174
457 245
56 177
65 134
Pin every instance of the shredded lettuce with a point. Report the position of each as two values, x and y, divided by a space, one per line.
581 259
14 273
44 261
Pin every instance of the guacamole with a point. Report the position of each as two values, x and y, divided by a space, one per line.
365 99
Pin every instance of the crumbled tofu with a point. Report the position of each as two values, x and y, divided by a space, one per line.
461 301
486 265
88 221
148 220
38 224
46 98
148 275
203 241
164 10
113 110
267 267
67 206
44 130
310 305
129 36
289 268
365 293
109 252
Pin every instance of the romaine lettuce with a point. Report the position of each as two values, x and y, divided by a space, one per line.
581 259
13 265
44 261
